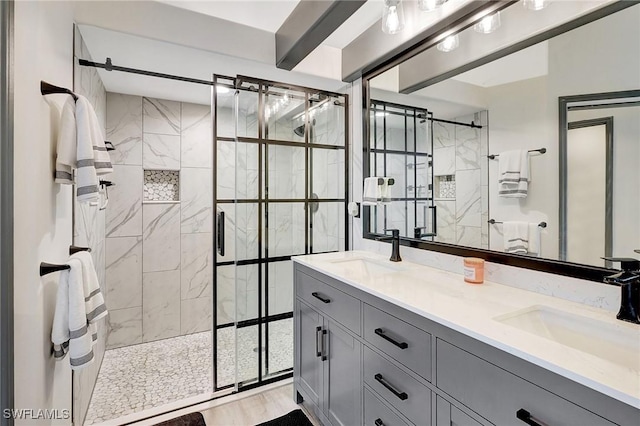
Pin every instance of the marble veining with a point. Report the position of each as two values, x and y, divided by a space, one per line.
160 116
197 258
124 272
126 326
161 237
196 200
124 212
124 128
196 148
160 305
160 151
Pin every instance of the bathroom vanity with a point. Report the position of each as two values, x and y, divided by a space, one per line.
381 343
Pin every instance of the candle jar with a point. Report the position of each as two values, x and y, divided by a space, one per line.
473 270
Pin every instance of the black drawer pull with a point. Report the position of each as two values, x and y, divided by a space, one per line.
526 417
401 395
378 422
322 299
380 332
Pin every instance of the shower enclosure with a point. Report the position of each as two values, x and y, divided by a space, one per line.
279 191
401 147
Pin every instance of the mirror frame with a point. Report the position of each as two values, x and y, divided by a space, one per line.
431 38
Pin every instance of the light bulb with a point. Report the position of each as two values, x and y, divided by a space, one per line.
392 17
535 4
449 43
430 5
488 24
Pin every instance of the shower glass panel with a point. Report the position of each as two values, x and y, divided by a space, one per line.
402 148
281 169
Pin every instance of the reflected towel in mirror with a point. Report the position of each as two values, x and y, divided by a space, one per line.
513 180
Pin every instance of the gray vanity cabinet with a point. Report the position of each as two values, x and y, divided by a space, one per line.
363 360
328 356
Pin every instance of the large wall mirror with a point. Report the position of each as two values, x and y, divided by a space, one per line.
514 136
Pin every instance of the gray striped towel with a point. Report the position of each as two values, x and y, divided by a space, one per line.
81 146
79 305
513 179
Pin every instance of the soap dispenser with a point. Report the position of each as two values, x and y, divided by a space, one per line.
629 282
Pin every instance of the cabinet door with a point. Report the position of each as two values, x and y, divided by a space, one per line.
308 358
343 393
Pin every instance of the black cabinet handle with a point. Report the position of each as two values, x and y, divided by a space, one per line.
318 345
526 417
378 422
380 332
323 347
322 299
401 395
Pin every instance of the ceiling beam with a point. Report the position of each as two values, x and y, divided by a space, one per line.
310 23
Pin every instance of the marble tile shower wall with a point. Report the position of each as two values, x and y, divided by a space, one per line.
89 227
461 151
158 255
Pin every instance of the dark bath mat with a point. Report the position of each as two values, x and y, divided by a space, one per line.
294 418
192 419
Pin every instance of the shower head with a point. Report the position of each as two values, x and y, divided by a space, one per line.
300 129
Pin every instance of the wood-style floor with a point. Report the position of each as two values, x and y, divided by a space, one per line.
255 409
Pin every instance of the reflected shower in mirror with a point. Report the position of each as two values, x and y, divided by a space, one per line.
502 161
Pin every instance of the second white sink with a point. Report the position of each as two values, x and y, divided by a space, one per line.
613 342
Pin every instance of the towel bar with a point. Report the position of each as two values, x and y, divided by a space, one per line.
50 89
493 222
109 145
540 150
48 268
76 249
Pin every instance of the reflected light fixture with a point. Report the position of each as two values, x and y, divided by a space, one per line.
535 4
448 44
430 5
488 24
381 114
392 16
222 89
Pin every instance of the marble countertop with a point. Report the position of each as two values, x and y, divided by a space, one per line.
445 298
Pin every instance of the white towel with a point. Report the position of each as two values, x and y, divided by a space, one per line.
516 237
513 180
81 146
375 193
534 239
79 305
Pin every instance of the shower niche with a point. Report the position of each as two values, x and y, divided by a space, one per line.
161 186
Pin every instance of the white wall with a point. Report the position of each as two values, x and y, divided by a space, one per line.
43 51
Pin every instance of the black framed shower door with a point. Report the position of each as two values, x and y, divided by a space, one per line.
280 190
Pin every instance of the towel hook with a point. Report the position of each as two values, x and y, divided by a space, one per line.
76 249
49 268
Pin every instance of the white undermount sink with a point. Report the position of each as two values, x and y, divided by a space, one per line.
616 343
366 267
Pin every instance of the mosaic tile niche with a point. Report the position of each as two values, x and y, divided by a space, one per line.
161 185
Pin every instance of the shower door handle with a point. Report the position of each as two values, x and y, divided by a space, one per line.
220 233
434 218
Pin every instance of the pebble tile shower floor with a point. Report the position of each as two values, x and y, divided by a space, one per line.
148 375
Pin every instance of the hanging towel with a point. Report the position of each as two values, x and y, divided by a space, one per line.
513 179
79 305
516 237
81 146
534 239
375 192
66 150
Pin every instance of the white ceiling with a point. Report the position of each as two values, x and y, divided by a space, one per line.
269 15
266 15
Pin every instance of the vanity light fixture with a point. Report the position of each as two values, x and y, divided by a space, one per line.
488 24
535 4
430 5
448 44
392 16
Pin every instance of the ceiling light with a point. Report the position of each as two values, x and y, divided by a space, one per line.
449 43
535 4
488 24
430 5
392 16
222 89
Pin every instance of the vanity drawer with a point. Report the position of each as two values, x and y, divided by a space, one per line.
340 306
403 392
376 413
400 340
497 394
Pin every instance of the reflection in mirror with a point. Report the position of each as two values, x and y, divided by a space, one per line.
493 183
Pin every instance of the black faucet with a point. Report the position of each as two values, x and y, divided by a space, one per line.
629 282
395 244
417 232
